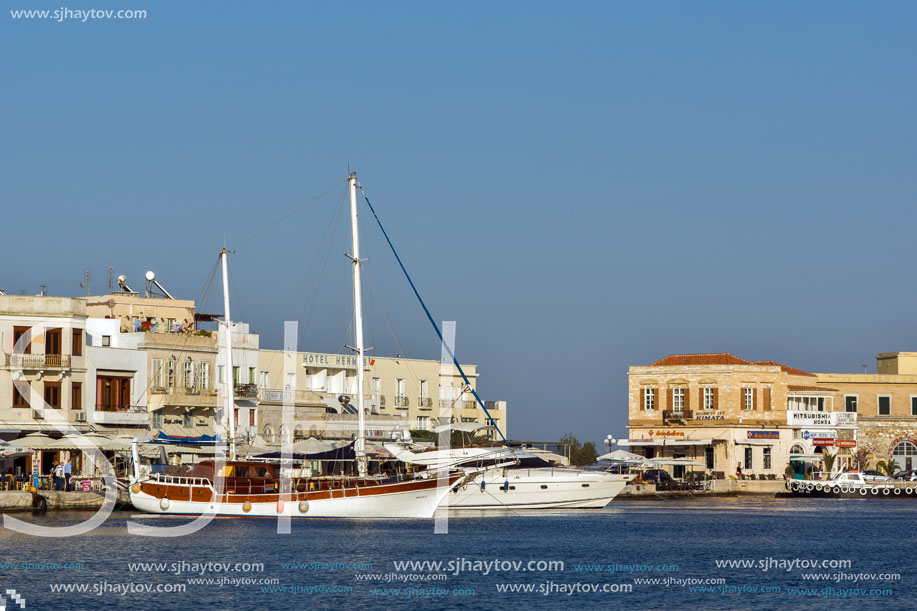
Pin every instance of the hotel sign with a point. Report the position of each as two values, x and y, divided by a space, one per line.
342 361
709 415
764 434
797 418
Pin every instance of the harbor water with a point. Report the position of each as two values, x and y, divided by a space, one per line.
728 553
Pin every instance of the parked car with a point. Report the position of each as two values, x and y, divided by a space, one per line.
908 476
656 476
871 475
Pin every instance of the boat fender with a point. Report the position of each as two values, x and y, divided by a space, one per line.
875 492
247 506
898 491
908 490
304 507
164 504
862 491
483 485
39 503
885 491
279 505
809 487
135 488
818 487
505 486
845 489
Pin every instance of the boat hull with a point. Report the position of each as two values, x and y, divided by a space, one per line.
867 490
413 499
546 488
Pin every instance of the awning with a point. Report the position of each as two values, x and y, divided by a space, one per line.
755 442
667 442
208 440
806 456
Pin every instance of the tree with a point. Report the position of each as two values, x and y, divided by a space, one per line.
828 459
889 467
580 453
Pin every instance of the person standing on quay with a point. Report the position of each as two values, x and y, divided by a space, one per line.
68 476
58 475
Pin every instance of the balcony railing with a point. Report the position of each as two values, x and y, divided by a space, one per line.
38 361
469 404
401 401
193 397
131 409
246 391
281 395
678 414
445 403
425 402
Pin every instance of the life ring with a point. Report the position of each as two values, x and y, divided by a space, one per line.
898 491
885 491
845 489
818 487
39 504
875 492
863 491
909 490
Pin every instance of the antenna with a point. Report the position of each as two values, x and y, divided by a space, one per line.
109 277
86 286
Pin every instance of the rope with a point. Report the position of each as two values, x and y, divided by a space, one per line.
432 321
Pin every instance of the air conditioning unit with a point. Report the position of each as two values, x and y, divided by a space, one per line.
79 416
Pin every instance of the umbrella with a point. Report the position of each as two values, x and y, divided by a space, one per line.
465 427
35 441
11 450
683 462
622 456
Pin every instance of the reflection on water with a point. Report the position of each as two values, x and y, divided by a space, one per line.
690 534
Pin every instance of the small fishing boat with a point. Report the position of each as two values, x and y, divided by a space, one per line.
851 484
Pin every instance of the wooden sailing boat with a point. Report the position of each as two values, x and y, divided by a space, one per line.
230 487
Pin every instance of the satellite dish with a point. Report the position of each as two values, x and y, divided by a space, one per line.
122 279
150 276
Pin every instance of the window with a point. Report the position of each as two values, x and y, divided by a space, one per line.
850 403
708 457
221 374
913 405
251 417
53 341
52 394
113 393
76 396
251 375
376 387
106 340
649 399
767 458
235 415
157 419
424 389
905 454
678 399
236 373
423 422
265 379
749 458
188 379
766 403
268 433
885 405
748 395
22 399
19 333
187 421
157 373
205 375
399 387
76 348
171 372
709 402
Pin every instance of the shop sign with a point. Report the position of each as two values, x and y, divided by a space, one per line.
823 442
764 434
709 415
845 443
666 433
797 418
819 434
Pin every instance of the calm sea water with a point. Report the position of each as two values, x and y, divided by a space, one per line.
333 564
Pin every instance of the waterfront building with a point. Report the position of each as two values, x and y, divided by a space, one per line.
723 412
42 368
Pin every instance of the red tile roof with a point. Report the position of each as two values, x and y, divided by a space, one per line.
722 358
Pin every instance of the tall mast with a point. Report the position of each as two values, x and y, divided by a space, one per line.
359 446
229 379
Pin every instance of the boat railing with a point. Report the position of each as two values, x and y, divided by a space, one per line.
181 480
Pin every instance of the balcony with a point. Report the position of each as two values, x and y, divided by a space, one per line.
469 404
134 415
401 401
677 415
445 404
382 400
246 391
187 397
38 361
425 403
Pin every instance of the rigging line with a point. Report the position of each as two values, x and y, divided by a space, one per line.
235 291
315 259
289 214
321 272
432 321
391 328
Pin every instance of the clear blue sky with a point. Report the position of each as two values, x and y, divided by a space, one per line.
583 187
